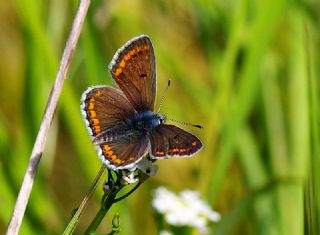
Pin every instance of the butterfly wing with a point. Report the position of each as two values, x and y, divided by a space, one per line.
105 111
104 107
123 153
169 140
133 68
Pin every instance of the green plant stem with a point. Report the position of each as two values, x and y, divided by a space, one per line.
75 218
97 219
106 204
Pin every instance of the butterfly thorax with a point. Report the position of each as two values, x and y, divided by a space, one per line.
146 121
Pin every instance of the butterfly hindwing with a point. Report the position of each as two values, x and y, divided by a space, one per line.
169 140
133 68
123 153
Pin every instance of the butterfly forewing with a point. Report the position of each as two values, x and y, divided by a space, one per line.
133 68
104 107
169 140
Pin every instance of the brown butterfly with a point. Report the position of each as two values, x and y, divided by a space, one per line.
122 122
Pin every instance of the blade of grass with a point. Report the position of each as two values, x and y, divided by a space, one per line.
95 63
313 194
263 29
275 120
257 177
220 104
22 200
291 196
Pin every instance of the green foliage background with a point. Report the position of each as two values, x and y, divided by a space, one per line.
247 70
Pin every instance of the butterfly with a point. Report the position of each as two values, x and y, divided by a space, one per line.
122 122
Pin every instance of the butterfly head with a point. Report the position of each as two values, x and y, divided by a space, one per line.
162 118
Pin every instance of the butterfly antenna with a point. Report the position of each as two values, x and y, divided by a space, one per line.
164 94
186 123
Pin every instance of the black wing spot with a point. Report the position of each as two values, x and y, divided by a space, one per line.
143 75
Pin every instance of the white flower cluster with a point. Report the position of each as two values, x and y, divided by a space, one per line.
164 232
145 166
184 209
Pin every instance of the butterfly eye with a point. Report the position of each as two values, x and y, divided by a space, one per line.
162 119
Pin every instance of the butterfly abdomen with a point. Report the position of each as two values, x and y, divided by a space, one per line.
123 132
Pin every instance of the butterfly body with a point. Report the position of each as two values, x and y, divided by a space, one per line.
122 123
147 121
141 123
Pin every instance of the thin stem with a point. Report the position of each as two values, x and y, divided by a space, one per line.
142 177
128 194
25 190
76 216
106 204
109 198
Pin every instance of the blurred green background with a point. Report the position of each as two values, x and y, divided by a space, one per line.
248 71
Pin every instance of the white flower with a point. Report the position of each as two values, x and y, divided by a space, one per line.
147 167
164 232
185 209
129 177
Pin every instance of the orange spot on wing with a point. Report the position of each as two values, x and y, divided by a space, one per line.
118 161
132 52
91 105
95 121
110 152
106 147
92 114
122 63
175 150
118 72
127 57
160 153
182 150
97 129
96 125
98 93
110 155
